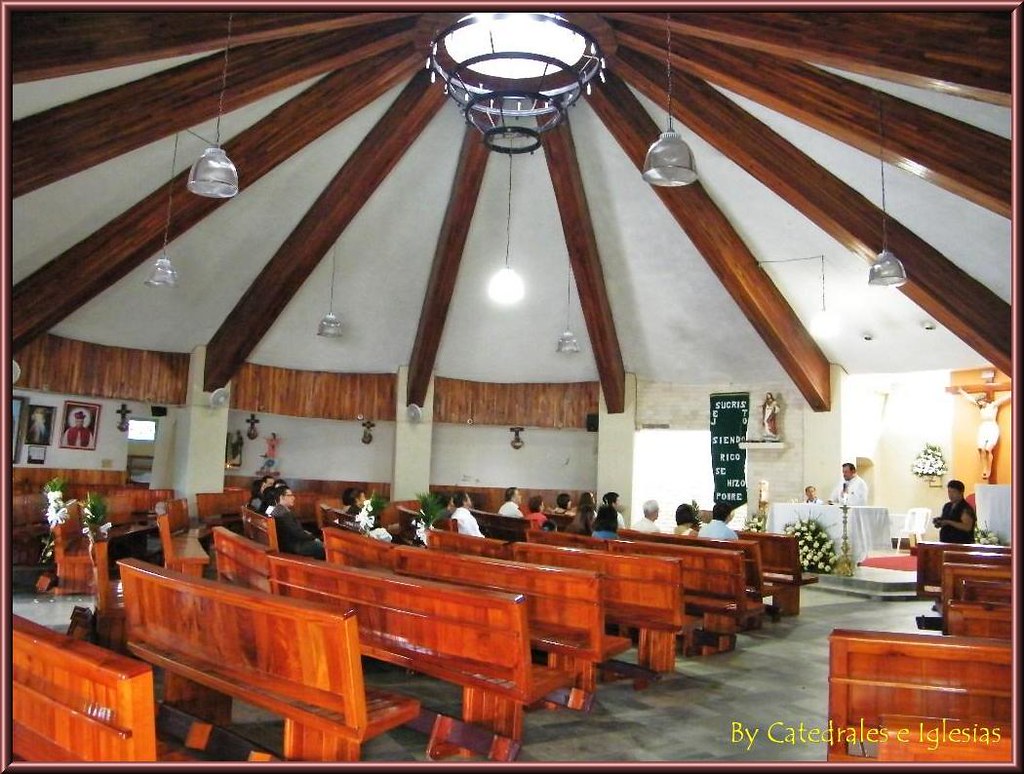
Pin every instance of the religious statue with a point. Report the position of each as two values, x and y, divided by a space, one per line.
233 453
988 428
270 455
770 418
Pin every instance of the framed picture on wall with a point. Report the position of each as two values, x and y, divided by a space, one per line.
81 425
36 455
39 428
19 415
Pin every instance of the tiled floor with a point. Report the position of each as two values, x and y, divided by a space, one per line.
777 675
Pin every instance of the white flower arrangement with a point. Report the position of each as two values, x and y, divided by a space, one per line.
986 537
756 522
930 462
817 550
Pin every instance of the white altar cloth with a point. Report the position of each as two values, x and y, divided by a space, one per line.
867 527
993 502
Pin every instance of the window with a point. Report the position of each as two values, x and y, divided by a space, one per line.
141 429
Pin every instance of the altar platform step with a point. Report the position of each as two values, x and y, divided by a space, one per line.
873 583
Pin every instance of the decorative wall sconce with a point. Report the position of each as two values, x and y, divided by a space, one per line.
124 411
252 433
368 426
517 442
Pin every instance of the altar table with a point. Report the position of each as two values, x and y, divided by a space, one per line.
867 528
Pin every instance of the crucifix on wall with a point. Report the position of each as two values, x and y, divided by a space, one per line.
252 433
124 411
983 396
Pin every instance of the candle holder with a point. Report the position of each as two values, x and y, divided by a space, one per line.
844 564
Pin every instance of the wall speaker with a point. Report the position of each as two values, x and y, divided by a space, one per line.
591 423
158 411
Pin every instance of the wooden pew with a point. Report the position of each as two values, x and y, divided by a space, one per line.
929 563
565 607
71 555
953 582
781 568
353 549
566 539
109 617
181 547
28 527
74 701
645 593
453 542
217 642
497 527
222 508
241 561
714 582
873 674
260 528
977 619
939 740
307 506
475 638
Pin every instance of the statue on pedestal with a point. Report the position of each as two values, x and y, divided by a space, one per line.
770 418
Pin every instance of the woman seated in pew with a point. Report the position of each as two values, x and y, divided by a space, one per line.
462 517
687 521
563 505
536 516
256 492
291 537
583 522
353 500
606 523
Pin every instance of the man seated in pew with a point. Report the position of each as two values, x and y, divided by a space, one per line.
291 537
511 505
687 520
465 520
647 523
606 522
957 521
536 515
717 527
563 505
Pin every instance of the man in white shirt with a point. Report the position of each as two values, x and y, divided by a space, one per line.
718 527
851 490
646 524
511 505
461 516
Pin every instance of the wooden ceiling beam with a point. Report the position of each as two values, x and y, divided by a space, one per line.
723 249
48 44
135 236
951 296
967 54
82 134
961 158
320 227
451 242
578 230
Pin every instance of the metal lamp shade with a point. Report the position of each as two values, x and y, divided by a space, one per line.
567 343
213 175
669 161
330 326
887 270
164 274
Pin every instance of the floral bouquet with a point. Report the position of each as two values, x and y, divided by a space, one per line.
432 511
56 513
94 517
986 537
756 522
817 551
930 462
367 518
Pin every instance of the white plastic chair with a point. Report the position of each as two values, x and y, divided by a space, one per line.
917 523
897 528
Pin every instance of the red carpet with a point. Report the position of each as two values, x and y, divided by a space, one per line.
901 562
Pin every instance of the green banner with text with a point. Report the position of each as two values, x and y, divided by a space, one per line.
729 412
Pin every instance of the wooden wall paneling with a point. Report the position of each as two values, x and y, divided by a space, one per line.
135 236
557 405
581 244
45 44
314 394
55 364
723 249
173 100
966 54
445 269
322 486
961 158
325 220
951 296
28 480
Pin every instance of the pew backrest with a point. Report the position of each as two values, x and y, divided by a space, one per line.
977 619
75 701
566 539
878 673
780 557
210 505
177 511
930 559
454 542
260 528
498 527
353 549
751 551
954 574
241 561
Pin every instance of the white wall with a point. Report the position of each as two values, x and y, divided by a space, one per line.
672 467
316 448
481 455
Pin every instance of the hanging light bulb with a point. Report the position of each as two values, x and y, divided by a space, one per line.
669 160
330 325
567 341
826 324
164 274
506 287
213 174
888 269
